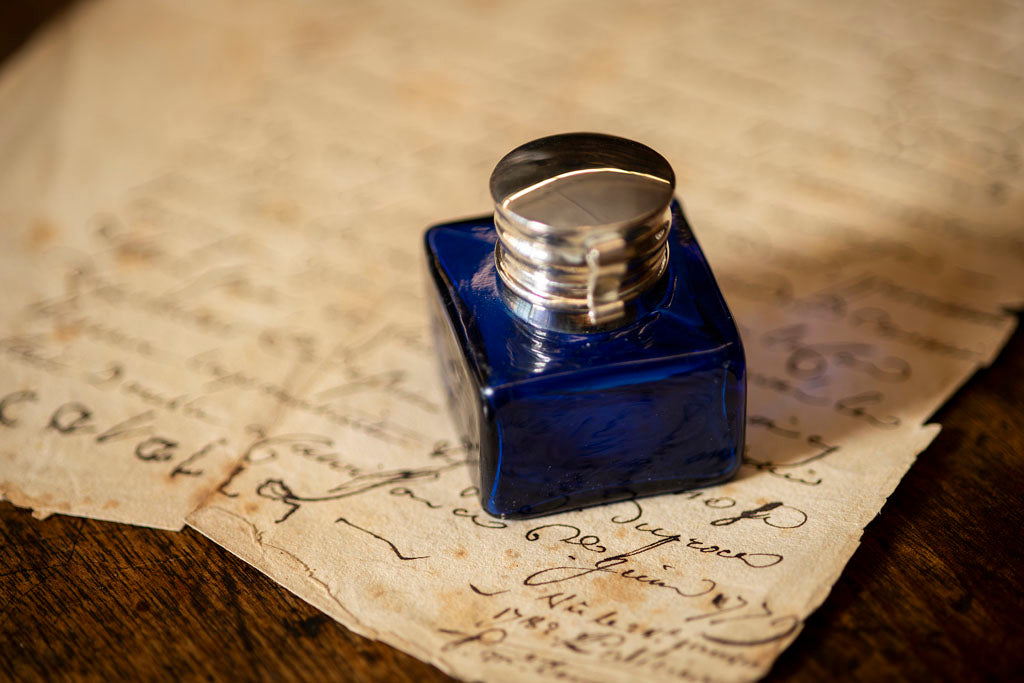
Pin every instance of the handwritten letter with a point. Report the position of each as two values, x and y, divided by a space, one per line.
243 342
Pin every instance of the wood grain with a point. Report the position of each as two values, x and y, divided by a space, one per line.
934 592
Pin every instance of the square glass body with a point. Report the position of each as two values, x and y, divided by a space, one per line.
561 421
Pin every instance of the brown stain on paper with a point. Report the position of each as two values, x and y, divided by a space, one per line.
133 254
285 211
41 233
20 499
620 590
453 605
65 333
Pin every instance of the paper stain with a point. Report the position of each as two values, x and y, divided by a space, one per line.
42 233
618 589
284 211
66 333
305 554
132 255
45 502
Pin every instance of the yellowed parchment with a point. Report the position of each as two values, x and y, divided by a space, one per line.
241 335
96 106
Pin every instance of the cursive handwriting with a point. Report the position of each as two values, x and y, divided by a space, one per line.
390 545
587 542
147 440
807 361
783 470
609 565
277 490
859 406
775 514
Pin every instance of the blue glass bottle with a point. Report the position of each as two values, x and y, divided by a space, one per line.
587 352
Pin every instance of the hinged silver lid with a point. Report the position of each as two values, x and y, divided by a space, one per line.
582 221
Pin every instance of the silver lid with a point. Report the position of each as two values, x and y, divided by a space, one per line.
582 222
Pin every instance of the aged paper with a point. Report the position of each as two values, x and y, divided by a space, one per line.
242 335
95 107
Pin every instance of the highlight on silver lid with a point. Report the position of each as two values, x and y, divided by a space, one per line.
582 222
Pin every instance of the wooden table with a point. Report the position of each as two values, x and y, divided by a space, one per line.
933 593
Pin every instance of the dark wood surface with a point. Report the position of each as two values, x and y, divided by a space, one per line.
933 593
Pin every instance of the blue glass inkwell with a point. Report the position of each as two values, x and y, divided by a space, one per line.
586 349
